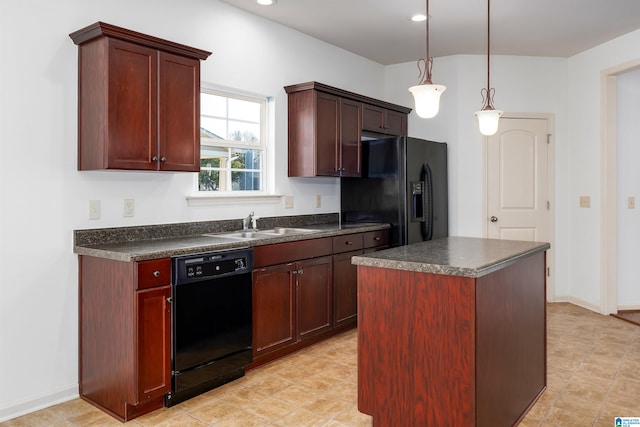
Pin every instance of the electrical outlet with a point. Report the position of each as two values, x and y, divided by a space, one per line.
318 201
585 201
94 209
288 202
631 202
129 208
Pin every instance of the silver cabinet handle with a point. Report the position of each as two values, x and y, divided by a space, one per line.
156 273
494 219
163 159
154 159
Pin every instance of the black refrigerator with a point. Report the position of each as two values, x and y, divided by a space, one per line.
404 184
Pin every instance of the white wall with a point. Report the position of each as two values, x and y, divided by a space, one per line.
584 169
628 127
523 85
44 198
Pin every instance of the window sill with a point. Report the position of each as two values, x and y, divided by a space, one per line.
201 200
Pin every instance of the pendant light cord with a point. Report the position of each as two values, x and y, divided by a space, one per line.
424 76
488 44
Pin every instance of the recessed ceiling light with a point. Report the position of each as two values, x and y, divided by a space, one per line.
266 2
419 17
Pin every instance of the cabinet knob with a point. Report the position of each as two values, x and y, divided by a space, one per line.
154 159
348 243
300 271
376 238
163 159
156 273
169 300
494 219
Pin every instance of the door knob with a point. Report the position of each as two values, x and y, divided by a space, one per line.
494 219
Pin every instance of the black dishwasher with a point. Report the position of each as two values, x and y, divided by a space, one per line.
211 321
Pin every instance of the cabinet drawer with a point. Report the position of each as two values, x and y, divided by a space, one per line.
346 243
376 238
280 253
154 273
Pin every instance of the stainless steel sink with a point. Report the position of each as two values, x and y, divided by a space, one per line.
242 235
280 231
262 234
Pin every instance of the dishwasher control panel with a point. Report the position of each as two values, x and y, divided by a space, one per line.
198 267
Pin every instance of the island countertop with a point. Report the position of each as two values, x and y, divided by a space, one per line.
453 256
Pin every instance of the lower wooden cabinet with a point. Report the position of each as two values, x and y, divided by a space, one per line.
291 300
345 276
125 335
154 343
305 291
345 289
315 307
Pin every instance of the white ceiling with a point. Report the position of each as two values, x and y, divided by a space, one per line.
382 31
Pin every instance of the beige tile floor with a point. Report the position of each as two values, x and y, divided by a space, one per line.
593 376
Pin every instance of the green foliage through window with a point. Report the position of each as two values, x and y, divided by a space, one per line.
232 142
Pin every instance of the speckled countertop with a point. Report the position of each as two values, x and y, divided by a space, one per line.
453 256
161 241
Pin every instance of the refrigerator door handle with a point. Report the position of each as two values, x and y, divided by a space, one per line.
427 223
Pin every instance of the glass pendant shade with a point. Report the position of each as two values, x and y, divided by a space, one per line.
427 99
488 121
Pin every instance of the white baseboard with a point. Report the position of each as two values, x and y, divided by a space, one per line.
26 407
629 307
559 298
584 304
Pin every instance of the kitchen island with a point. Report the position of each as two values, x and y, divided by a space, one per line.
451 332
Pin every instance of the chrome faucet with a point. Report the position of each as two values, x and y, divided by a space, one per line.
249 220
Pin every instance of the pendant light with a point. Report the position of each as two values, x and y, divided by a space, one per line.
488 117
426 94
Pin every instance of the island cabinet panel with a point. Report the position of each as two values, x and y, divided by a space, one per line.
416 348
437 349
511 345
124 335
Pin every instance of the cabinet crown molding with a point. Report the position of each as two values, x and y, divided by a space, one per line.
101 29
321 87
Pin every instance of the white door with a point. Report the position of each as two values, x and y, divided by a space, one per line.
518 184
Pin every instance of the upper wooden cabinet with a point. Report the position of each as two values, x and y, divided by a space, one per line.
138 101
325 125
382 120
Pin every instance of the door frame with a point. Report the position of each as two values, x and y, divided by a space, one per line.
550 258
609 185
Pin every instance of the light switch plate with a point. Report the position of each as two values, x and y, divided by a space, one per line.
129 208
585 201
288 202
94 209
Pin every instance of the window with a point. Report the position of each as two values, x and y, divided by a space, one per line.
232 142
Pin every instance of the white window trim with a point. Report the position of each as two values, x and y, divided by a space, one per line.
204 198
